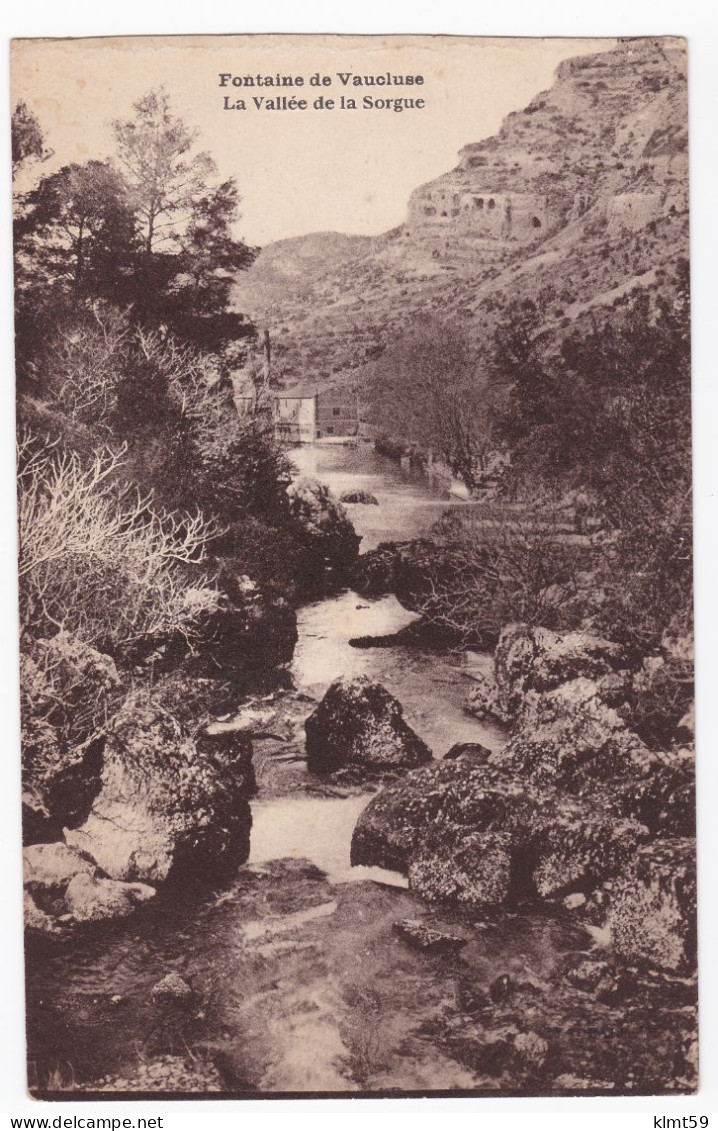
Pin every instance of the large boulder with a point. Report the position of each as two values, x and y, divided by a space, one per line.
170 805
652 914
562 847
92 900
465 831
460 794
569 737
50 867
665 801
538 659
325 531
359 725
452 862
67 691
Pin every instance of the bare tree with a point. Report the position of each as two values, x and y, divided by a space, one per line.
97 559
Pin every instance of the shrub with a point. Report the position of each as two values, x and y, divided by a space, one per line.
509 565
96 558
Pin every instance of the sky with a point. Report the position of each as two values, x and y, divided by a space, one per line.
298 171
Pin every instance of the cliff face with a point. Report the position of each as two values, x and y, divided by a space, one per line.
579 198
610 111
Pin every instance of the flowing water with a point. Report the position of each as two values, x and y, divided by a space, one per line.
431 687
410 500
300 982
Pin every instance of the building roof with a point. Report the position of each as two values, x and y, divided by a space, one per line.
294 394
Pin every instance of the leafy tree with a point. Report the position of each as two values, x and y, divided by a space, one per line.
78 229
28 143
429 385
189 256
519 365
165 179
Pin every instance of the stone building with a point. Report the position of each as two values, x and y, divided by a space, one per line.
441 210
302 416
295 416
337 413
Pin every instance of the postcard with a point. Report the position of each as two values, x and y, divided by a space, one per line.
354 490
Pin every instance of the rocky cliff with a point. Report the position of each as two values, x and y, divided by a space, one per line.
580 198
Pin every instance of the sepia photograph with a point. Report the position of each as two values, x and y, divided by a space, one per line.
353 390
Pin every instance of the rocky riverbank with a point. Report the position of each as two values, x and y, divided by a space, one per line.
434 996
545 944
131 782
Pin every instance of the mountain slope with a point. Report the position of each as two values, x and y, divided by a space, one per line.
579 199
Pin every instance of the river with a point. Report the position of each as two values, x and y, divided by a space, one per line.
301 984
431 687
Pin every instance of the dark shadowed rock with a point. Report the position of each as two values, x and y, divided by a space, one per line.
38 824
67 690
665 801
325 530
422 937
402 568
411 571
661 706
170 805
652 915
421 633
92 900
358 724
37 920
363 497
603 979
501 989
60 782
247 634
473 750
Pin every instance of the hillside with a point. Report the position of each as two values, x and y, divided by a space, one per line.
579 199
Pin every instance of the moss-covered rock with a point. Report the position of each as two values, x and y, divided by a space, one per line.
467 832
454 863
171 805
569 737
359 725
652 915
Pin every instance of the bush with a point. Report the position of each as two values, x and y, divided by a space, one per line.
96 558
506 566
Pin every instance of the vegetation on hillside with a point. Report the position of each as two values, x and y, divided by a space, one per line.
144 498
